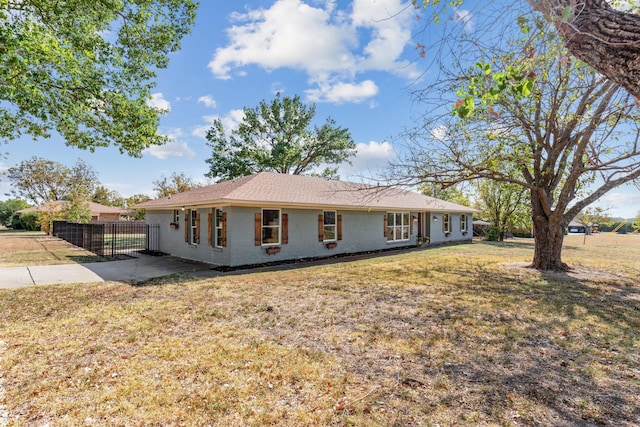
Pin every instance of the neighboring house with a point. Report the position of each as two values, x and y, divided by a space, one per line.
98 212
576 227
480 227
275 217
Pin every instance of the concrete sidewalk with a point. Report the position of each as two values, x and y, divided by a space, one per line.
142 267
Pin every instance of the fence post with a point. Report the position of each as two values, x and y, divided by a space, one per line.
113 240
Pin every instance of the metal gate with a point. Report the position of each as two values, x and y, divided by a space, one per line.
110 239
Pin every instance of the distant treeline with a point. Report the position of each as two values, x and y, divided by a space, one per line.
612 225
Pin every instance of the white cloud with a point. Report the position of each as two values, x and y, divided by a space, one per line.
201 131
369 160
439 133
328 44
623 202
466 18
208 101
390 33
229 122
285 35
172 149
157 101
343 92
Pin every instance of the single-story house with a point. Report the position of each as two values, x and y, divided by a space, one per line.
576 227
98 212
270 217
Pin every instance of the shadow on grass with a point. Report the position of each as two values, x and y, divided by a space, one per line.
168 280
567 344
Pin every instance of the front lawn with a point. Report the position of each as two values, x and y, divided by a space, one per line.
460 335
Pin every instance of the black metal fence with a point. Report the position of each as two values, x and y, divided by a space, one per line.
110 238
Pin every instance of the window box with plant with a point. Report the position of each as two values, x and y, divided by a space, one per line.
174 225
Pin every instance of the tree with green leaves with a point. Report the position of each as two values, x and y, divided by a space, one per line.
41 181
451 193
134 200
107 197
85 69
176 183
8 208
593 216
503 204
604 34
568 138
636 223
277 137
78 209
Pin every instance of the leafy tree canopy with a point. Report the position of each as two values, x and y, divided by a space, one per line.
593 215
86 68
573 138
451 193
10 207
176 183
277 137
503 204
636 222
603 33
134 200
41 181
107 197
78 209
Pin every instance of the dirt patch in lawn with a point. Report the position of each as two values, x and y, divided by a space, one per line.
577 273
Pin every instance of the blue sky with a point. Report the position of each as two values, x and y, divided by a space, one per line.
350 58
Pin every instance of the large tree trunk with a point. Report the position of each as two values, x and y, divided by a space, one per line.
606 39
548 236
548 233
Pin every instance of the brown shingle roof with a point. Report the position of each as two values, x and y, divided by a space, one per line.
283 190
96 208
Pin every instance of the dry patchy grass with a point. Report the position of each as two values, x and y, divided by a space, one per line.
456 335
19 249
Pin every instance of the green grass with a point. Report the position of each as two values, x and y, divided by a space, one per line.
460 335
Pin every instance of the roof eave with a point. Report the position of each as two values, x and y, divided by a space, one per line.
297 205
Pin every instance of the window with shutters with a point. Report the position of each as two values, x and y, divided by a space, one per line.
193 227
463 222
220 226
329 226
446 223
398 226
270 227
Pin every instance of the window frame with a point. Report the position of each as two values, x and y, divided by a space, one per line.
193 226
395 232
176 216
463 222
326 225
446 223
278 227
217 226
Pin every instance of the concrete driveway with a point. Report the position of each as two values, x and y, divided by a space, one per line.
142 267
